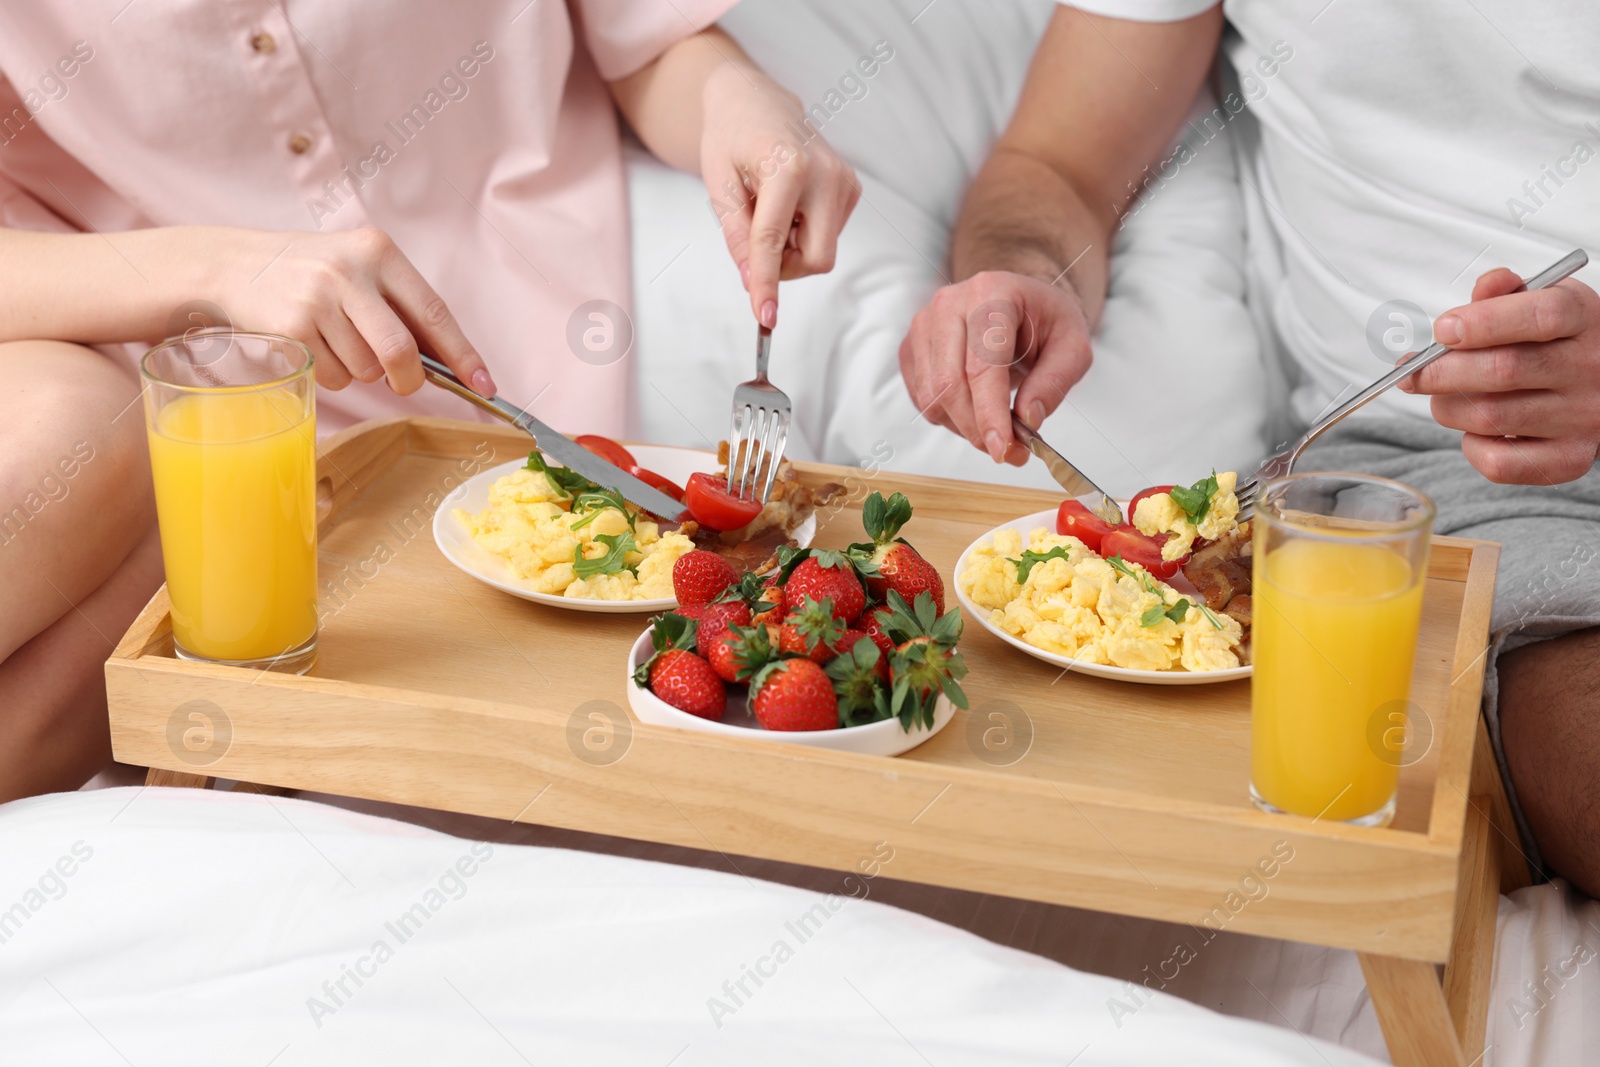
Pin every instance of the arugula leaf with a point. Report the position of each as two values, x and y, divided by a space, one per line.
1156 612
1030 558
595 501
567 482
1121 565
1212 619
617 546
1196 499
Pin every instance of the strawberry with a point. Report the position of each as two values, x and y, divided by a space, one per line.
740 652
847 641
825 574
688 683
715 618
794 694
872 625
810 630
699 577
924 662
677 675
768 605
859 675
889 562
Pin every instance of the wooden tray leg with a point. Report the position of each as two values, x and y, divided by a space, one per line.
1412 1011
1468 975
1432 1023
157 776
264 790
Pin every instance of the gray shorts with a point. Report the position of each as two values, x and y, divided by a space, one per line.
1549 577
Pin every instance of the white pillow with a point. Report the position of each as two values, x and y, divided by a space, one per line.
1177 386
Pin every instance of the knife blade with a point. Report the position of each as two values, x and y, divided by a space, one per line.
562 449
1075 482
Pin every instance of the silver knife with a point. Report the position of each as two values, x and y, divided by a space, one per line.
1074 481
562 449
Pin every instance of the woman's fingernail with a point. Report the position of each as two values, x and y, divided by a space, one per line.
482 384
997 447
744 274
1447 330
769 314
1035 415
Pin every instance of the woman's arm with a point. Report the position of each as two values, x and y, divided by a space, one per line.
352 297
703 105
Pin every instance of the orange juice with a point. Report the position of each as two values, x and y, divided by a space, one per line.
235 477
1334 638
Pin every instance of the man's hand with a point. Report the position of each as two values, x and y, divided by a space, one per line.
1523 381
1033 239
977 339
781 203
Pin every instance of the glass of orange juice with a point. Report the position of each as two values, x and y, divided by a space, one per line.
233 447
1339 563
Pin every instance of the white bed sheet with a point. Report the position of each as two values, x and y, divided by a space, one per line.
206 927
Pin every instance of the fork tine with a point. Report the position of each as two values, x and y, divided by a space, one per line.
735 432
775 452
752 448
751 472
769 426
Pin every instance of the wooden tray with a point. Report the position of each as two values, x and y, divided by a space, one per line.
433 689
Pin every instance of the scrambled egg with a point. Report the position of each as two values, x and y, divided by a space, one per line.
528 524
1159 513
1084 608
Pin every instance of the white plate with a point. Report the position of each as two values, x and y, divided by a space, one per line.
884 738
1026 525
473 496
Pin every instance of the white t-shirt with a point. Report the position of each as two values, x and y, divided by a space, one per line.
1405 147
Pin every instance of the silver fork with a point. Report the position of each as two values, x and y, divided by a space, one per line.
1281 464
759 429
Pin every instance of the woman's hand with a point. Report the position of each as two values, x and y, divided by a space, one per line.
781 199
1523 381
778 190
351 297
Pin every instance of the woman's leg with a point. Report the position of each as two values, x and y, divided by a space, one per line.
78 555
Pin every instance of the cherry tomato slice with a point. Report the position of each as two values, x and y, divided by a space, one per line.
1154 490
714 507
1135 547
1075 520
608 450
651 478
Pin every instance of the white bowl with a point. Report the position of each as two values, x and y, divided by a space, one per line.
884 738
472 558
1026 525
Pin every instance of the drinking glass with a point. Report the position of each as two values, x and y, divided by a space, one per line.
1339 564
232 427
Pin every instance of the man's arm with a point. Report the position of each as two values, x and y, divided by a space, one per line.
1103 99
